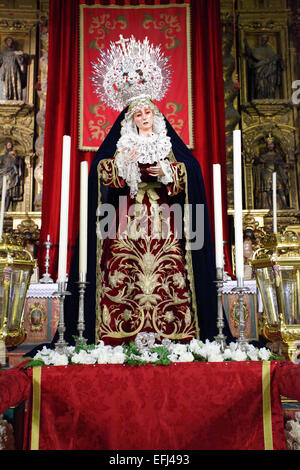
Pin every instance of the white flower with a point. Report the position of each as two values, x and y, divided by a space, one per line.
178 348
59 359
166 342
238 355
118 356
185 356
292 435
105 354
173 357
210 349
227 354
147 356
195 346
253 355
83 357
215 357
264 354
43 354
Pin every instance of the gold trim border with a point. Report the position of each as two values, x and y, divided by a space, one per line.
267 409
189 64
36 407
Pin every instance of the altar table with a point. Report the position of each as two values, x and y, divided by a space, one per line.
183 406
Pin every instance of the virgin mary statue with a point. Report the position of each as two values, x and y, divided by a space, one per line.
151 264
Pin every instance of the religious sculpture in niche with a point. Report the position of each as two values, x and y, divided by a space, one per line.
12 167
13 72
269 161
264 70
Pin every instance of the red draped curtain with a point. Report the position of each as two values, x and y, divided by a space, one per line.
62 111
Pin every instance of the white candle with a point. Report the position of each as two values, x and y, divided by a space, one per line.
83 220
274 203
218 215
64 209
3 197
238 206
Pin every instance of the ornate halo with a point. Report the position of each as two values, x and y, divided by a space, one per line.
130 70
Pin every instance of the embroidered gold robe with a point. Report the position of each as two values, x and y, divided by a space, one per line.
142 268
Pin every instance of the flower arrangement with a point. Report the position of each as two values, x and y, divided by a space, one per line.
7 441
292 433
148 349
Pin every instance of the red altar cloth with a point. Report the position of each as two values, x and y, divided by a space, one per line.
185 406
15 387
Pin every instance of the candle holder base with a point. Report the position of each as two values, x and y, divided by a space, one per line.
61 344
81 324
242 341
220 338
46 279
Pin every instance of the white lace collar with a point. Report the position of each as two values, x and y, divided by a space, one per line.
150 149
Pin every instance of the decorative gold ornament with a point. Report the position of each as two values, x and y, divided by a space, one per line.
277 269
16 267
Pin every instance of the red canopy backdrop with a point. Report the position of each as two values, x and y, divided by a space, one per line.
62 111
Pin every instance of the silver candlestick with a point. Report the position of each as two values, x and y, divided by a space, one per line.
81 324
61 344
241 290
46 279
220 338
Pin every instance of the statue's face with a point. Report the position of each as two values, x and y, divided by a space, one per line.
143 118
8 42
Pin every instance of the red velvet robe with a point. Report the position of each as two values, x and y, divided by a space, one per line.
142 272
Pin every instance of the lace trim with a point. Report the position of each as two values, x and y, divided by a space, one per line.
153 149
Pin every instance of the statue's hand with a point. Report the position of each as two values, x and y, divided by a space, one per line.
131 157
155 170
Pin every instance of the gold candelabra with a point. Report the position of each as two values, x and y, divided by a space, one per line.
277 268
16 267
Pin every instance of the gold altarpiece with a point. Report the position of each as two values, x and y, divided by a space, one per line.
22 117
263 115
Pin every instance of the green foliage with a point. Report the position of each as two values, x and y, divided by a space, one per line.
163 355
133 355
82 346
199 358
34 363
275 357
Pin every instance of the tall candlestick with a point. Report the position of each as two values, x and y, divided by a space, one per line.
218 215
274 203
83 219
64 209
238 206
3 197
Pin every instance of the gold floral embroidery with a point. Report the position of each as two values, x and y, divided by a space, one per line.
108 173
179 174
145 268
146 312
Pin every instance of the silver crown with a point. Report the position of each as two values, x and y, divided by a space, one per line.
130 70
